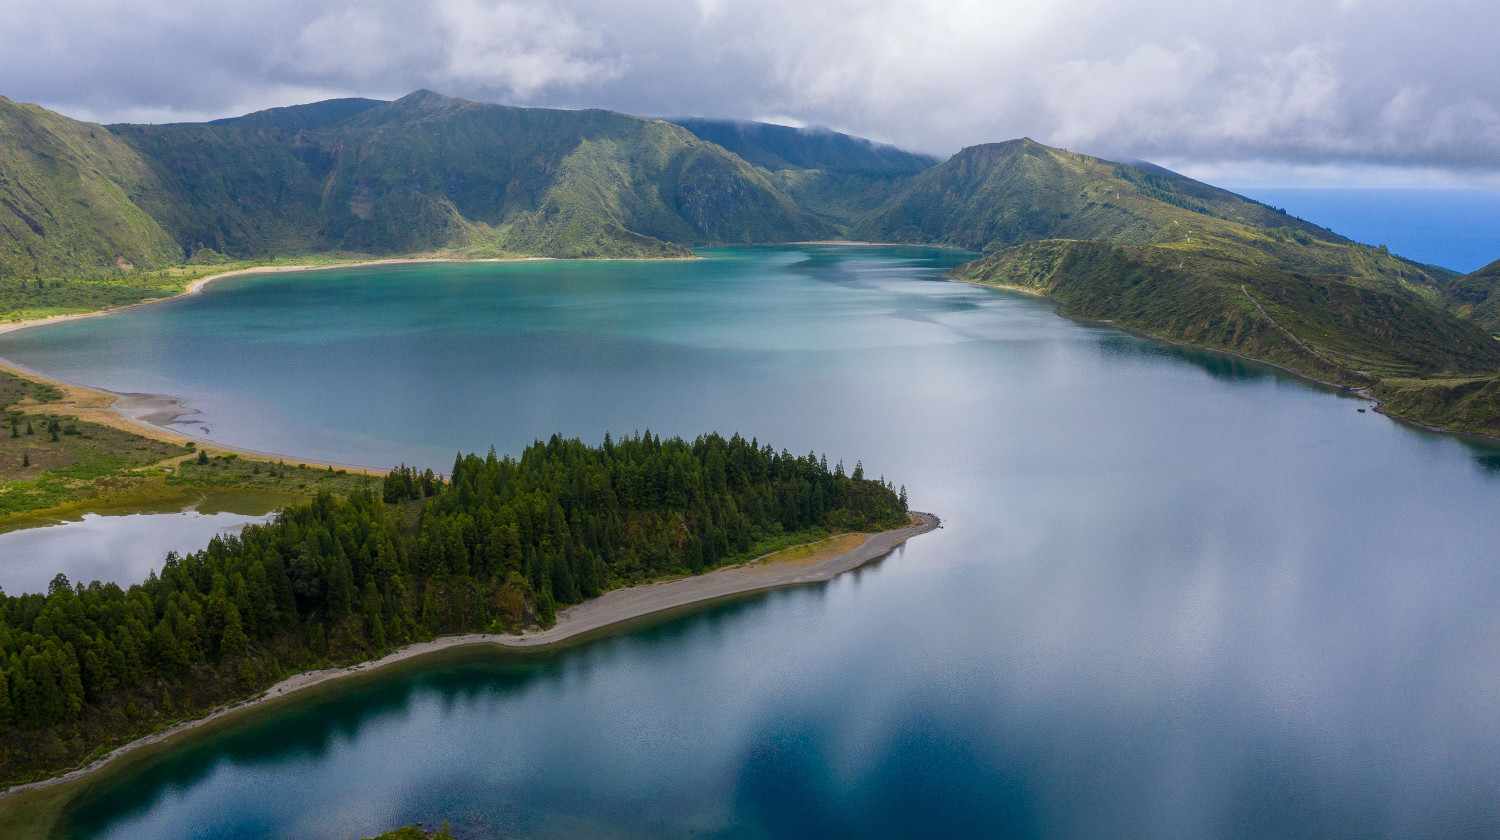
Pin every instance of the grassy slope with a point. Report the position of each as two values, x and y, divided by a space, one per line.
429 172
1342 330
70 197
834 176
780 147
1477 296
995 196
94 467
1150 250
1423 362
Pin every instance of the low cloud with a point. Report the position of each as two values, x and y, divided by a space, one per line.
1304 83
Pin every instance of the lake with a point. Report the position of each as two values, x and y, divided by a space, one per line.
1176 594
112 549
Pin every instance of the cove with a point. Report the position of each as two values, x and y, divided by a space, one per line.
1176 594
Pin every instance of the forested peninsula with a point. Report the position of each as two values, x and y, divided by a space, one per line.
498 546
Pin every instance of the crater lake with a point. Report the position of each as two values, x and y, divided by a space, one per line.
1176 594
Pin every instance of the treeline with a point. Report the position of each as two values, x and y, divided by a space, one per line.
498 546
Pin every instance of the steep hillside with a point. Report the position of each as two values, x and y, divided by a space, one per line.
1426 363
836 177
1477 296
430 172
238 188
1145 248
1001 194
1326 326
779 147
1134 244
995 196
69 194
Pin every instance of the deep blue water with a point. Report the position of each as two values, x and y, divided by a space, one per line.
1176 595
1457 229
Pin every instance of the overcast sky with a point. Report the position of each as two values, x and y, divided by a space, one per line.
1275 91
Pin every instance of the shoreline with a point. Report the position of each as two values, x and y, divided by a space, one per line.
196 286
859 243
152 414
149 415
1376 404
577 623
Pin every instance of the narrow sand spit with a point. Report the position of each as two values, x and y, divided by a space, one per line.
597 614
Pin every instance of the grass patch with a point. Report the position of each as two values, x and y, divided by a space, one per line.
55 466
813 552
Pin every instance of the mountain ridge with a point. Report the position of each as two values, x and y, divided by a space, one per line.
779 147
1132 243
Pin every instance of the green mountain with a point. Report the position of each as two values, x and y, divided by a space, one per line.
429 172
1001 194
994 196
69 194
780 147
1147 249
834 176
1477 296
1329 327
1130 243
315 115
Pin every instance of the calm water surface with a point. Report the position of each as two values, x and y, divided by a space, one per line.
1176 595
112 549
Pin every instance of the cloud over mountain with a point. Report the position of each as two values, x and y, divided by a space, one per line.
1290 82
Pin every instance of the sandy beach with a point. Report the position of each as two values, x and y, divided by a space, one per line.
156 415
573 624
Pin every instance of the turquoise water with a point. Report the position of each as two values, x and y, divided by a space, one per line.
1176 595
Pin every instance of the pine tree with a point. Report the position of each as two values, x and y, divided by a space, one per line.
5 713
340 583
374 626
234 640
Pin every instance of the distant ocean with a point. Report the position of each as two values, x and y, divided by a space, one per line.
1457 229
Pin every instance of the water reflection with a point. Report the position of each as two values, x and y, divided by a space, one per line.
1164 604
111 549
1221 366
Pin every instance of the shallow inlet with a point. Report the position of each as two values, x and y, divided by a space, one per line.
1176 594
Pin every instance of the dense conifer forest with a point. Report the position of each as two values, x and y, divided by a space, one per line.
499 545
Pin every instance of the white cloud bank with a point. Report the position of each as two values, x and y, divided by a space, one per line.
1277 83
